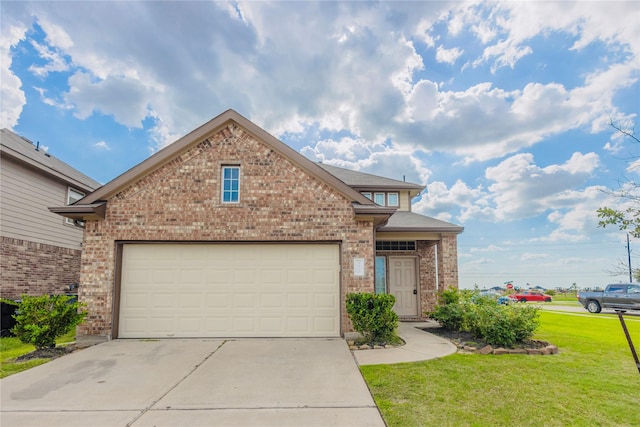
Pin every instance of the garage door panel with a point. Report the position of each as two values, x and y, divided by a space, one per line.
231 290
271 301
165 300
161 276
191 300
217 300
326 301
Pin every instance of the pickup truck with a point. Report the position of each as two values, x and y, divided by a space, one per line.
625 296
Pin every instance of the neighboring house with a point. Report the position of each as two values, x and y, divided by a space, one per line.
228 232
39 250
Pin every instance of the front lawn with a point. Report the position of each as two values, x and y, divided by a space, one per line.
593 381
11 348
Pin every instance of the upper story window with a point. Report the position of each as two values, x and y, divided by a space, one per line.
392 199
230 184
383 199
73 196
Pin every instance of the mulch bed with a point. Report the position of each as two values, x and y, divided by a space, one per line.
466 340
47 353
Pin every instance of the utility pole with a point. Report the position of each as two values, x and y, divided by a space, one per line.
629 258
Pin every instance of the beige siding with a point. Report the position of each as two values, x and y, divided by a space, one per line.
405 201
26 195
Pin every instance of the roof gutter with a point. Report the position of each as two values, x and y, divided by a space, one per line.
82 212
456 230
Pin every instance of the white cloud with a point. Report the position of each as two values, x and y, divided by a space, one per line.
13 98
55 62
355 70
532 256
490 248
125 98
102 145
480 261
448 56
50 101
520 189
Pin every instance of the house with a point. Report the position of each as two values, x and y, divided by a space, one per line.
228 232
39 250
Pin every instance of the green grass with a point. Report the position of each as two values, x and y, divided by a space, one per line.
592 382
11 348
565 298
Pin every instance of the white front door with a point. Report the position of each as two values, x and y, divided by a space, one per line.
403 285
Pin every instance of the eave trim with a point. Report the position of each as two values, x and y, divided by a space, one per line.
82 212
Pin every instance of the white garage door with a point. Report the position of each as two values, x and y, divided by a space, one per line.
229 290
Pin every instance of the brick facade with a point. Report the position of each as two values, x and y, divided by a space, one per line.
35 268
180 201
448 262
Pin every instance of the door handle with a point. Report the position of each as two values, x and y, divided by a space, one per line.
415 292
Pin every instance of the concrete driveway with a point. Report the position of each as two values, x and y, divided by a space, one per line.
253 382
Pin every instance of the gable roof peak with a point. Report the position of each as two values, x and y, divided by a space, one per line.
203 132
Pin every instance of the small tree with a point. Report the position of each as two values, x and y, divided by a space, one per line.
625 219
42 319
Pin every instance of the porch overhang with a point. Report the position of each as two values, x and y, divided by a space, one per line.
413 223
378 214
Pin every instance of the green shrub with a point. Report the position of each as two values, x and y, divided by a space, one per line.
484 318
450 313
372 316
42 319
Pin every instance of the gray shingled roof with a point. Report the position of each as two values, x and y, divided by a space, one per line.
12 144
410 221
400 220
361 180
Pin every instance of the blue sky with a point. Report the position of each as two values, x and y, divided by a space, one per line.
501 110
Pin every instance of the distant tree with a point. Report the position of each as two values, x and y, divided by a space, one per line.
628 219
622 269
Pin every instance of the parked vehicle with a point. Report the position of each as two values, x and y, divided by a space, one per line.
526 296
495 295
624 296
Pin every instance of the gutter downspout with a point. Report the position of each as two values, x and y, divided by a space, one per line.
436 259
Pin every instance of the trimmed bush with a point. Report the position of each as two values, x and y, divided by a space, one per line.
484 318
450 313
373 317
42 319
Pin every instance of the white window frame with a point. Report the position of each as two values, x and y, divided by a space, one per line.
230 191
397 202
384 198
79 195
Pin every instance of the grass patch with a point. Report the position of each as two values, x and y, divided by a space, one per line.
593 381
12 347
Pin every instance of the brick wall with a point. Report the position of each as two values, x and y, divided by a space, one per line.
448 262
427 275
36 268
180 201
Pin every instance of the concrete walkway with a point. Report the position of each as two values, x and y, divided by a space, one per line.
419 345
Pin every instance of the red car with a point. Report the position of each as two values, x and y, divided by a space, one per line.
526 296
